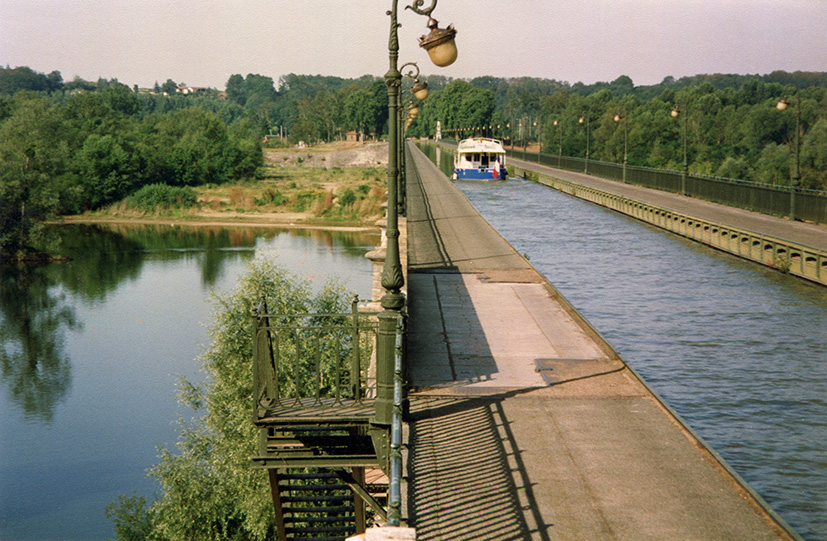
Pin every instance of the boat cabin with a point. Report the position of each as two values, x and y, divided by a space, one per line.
480 158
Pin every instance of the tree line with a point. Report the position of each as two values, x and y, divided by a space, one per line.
65 151
730 123
66 147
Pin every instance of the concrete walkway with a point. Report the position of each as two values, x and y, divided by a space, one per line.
525 423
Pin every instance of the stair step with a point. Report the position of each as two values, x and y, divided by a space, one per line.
312 520
342 509
313 488
348 498
319 475
342 538
331 529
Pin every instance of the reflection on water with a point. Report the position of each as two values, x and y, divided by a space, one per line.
90 350
33 366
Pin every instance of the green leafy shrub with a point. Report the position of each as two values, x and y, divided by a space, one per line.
347 198
163 196
208 489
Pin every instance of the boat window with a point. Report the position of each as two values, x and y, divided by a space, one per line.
484 161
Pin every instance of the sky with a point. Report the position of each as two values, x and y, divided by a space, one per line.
203 42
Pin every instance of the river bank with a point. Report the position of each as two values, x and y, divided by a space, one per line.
280 221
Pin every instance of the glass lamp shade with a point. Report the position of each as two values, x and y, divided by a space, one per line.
440 44
420 90
782 104
675 112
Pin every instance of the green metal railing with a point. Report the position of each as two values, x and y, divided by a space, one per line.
796 202
313 360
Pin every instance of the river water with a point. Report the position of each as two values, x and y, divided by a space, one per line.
90 352
738 350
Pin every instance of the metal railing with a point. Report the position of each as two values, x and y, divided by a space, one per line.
803 204
313 360
785 256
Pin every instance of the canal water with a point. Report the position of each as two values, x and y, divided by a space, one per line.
738 350
90 351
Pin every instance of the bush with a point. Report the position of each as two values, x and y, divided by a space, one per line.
208 489
347 198
162 196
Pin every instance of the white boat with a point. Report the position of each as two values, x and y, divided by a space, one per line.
480 158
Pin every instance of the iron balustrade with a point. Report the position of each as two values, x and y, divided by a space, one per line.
804 204
307 361
799 260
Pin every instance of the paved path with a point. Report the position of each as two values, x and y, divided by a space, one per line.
499 450
812 235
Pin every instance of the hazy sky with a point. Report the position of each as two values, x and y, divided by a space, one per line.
203 42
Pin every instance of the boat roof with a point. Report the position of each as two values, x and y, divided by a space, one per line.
480 144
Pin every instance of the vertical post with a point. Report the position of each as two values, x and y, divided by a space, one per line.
685 156
400 194
275 494
358 502
395 477
392 280
797 170
625 143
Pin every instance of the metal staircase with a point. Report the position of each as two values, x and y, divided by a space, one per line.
315 505
314 404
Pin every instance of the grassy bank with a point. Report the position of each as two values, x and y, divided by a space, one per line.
294 186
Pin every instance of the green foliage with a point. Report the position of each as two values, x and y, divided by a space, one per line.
132 519
304 200
347 198
208 489
162 196
28 162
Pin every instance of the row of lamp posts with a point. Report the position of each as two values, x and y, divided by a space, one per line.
442 50
782 104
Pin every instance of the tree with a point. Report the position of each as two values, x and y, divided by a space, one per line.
360 111
107 170
170 87
235 89
208 489
28 161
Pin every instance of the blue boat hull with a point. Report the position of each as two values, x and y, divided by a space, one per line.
480 174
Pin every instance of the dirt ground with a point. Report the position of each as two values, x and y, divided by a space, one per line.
330 155
339 154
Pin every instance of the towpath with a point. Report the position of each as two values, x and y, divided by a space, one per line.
525 423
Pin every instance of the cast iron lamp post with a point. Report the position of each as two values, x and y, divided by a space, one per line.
782 104
539 126
675 113
585 119
420 92
443 51
559 127
618 117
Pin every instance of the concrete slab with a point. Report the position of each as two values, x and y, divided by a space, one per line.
524 423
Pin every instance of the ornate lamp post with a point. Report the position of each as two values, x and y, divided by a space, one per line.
420 92
675 113
617 118
443 51
782 104
559 127
539 126
585 119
